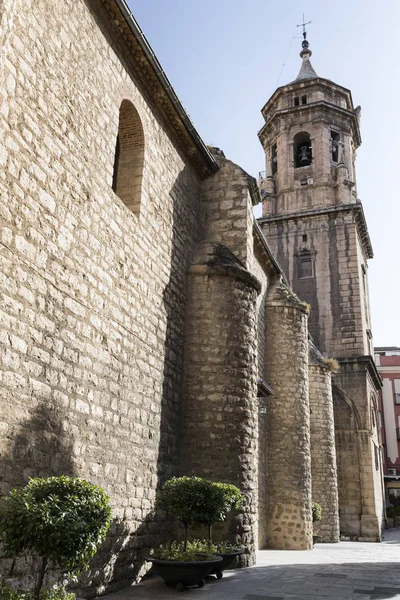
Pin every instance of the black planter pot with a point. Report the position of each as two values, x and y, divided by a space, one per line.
227 560
184 574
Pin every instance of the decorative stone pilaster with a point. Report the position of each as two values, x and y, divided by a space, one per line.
344 190
289 519
220 411
323 452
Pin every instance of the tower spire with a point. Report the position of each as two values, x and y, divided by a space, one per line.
306 70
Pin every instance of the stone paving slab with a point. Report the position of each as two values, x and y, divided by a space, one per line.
344 571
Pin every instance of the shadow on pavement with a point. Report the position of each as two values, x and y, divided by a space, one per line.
344 581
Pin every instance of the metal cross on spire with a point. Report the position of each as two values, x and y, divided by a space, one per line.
303 25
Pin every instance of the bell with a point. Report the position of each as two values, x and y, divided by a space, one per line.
304 157
335 149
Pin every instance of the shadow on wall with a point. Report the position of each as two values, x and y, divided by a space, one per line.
174 300
40 448
185 233
122 559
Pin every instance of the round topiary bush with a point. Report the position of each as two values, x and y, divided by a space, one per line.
316 512
192 500
60 519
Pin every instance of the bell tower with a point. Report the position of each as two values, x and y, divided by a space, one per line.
315 225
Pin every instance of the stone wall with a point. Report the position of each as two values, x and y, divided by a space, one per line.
323 452
289 524
92 296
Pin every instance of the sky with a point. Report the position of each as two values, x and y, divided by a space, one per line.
225 58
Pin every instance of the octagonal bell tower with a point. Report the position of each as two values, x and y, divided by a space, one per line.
315 225
310 138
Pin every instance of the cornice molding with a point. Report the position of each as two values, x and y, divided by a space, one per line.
322 105
366 362
356 208
140 58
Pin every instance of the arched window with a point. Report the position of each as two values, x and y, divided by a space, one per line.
302 150
129 157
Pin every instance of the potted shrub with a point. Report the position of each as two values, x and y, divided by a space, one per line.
232 499
62 520
316 516
191 500
222 498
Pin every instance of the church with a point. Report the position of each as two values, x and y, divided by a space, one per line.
150 326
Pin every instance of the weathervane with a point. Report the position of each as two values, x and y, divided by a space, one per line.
303 25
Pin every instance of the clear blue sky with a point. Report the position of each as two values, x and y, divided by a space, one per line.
224 57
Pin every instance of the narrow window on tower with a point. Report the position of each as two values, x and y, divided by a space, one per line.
274 159
297 101
335 138
302 150
304 99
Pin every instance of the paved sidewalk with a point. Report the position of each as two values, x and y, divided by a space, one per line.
344 571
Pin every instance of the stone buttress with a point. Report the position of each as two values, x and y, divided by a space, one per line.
323 451
220 405
289 520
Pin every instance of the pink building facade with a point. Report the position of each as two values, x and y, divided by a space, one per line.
388 363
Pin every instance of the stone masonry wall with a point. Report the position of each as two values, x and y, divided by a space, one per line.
289 523
92 296
323 453
219 428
